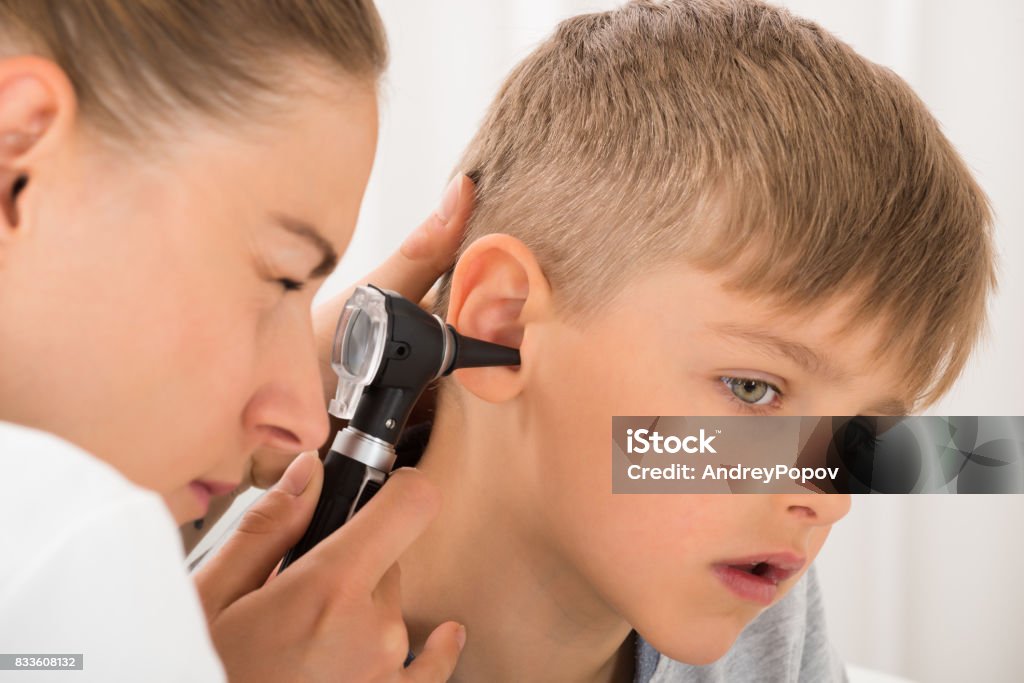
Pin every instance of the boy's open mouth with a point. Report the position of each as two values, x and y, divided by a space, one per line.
767 570
757 577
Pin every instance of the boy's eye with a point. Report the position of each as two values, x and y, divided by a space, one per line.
290 285
751 391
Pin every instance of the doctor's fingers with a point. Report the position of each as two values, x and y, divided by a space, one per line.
388 593
440 655
431 248
265 533
359 554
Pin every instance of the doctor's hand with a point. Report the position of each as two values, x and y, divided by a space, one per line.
411 271
335 614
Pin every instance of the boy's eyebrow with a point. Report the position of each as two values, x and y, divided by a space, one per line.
303 229
801 354
807 358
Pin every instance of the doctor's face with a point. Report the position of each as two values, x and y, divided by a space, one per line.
158 300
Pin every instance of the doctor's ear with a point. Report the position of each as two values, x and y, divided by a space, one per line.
497 291
37 104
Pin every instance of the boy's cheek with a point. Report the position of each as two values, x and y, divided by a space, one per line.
661 584
816 542
650 556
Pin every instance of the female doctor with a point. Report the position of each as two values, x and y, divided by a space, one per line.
176 180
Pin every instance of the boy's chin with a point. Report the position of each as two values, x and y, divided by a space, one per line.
698 647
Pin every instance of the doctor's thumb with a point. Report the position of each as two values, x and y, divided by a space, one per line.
265 533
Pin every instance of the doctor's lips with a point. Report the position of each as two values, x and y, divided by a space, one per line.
217 488
757 577
205 490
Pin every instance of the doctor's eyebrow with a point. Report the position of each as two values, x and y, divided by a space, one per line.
303 229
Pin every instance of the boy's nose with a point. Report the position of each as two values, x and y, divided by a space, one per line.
816 509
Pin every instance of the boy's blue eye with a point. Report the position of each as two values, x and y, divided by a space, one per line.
290 285
753 392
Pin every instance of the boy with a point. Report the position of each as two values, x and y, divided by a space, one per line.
699 207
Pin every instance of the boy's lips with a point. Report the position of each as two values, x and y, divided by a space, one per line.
757 577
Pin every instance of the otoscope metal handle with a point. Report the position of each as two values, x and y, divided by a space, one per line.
348 486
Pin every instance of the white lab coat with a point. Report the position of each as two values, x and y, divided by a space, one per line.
91 564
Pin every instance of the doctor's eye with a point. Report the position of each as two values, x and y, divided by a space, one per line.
752 392
290 285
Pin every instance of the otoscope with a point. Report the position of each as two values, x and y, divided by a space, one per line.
386 351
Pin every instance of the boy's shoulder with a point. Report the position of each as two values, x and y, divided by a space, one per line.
787 642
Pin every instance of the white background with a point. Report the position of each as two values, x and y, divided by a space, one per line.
928 587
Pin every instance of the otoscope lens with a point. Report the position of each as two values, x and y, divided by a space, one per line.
356 348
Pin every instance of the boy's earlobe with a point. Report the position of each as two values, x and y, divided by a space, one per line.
497 290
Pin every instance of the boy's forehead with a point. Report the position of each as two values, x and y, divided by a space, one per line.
811 338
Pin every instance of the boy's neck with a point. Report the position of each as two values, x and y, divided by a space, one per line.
486 563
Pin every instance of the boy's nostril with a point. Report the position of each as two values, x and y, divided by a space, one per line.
804 511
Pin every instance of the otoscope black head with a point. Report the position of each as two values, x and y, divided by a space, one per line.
415 349
477 353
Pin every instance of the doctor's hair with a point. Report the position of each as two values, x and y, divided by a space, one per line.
135 64
743 140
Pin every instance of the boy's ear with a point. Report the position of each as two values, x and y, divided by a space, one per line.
498 290
37 104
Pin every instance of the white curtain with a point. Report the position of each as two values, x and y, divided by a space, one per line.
927 587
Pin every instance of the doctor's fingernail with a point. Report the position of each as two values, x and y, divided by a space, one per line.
460 636
296 478
450 200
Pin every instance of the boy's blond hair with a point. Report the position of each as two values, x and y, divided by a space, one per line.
742 139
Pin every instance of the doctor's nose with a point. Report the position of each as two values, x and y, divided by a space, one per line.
288 411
